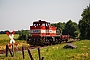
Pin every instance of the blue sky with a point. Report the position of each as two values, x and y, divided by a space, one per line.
20 14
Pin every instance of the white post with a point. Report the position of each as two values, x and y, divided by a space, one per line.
12 48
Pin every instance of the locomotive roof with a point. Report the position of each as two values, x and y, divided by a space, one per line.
40 22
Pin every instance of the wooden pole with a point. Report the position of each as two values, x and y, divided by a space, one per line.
39 54
42 58
17 48
6 50
23 52
30 54
10 52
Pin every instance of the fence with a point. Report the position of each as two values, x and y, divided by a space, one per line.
23 56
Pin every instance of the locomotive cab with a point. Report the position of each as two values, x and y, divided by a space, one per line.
42 28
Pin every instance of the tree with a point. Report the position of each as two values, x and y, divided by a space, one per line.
60 27
84 23
23 34
71 28
4 32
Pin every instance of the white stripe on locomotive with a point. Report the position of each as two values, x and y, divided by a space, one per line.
42 31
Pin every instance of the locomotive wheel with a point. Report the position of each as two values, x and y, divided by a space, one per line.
47 41
59 41
56 41
42 41
66 40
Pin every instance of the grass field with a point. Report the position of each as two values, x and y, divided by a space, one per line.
56 52
5 37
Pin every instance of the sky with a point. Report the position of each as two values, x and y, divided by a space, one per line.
20 14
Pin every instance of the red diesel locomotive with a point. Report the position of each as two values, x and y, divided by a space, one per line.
42 33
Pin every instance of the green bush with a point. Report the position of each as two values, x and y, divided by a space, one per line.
23 34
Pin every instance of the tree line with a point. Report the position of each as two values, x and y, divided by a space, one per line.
4 32
68 28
